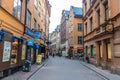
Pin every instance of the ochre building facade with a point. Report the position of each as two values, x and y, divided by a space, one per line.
101 33
24 30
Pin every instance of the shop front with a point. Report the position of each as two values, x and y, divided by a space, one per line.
30 48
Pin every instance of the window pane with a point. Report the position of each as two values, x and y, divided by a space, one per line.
35 24
28 19
109 50
79 27
17 8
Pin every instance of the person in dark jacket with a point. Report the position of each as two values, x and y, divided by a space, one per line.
87 58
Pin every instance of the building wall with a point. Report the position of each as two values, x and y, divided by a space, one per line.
99 35
13 27
73 31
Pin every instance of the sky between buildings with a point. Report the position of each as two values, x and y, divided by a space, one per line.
56 10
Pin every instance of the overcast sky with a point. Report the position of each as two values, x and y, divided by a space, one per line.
56 10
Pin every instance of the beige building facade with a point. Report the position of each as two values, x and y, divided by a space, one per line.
102 32
20 23
75 29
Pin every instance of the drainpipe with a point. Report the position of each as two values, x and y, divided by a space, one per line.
25 14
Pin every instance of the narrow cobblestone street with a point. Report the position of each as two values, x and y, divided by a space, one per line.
64 69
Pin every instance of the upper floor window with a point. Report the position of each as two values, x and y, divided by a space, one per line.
106 11
28 19
98 14
39 9
79 27
38 27
85 7
17 9
79 39
91 24
91 2
86 28
92 51
35 22
35 3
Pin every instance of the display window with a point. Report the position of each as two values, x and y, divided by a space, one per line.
32 54
109 52
14 52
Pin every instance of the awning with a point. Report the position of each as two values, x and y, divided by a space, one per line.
1 35
18 38
30 42
36 46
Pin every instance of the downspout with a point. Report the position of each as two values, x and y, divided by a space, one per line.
25 16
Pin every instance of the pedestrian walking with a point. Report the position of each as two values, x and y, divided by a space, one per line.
53 55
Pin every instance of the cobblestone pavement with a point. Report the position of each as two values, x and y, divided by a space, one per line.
64 69
20 75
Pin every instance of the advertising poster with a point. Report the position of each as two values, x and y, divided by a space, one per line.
23 52
6 52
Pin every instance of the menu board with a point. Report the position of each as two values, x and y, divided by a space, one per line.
6 51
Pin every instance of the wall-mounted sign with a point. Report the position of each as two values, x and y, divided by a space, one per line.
29 32
6 52
37 34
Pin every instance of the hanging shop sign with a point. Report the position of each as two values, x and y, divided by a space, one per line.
109 28
30 42
29 32
6 52
23 52
37 34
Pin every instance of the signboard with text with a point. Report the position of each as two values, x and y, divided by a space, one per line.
6 51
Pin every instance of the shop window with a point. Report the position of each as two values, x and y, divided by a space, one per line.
17 9
100 51
92 51
14 52
79 39
32 56
23 56
109 53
